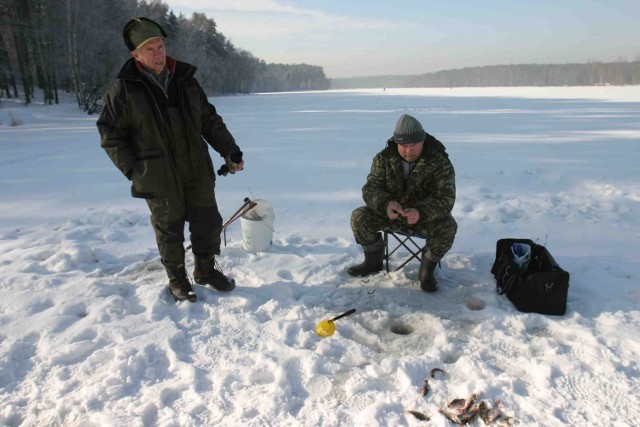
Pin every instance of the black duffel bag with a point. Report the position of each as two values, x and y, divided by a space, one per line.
532 280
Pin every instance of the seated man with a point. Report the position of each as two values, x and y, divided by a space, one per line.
412 182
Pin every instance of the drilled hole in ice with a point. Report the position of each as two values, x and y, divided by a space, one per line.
401 329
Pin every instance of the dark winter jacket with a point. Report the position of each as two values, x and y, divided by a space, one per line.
146 146
431 187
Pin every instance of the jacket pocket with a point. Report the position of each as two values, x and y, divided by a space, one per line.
149 172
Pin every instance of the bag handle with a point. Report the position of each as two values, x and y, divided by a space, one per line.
508 279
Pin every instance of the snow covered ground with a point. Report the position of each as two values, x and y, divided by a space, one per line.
90 337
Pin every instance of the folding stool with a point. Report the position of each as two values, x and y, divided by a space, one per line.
405 238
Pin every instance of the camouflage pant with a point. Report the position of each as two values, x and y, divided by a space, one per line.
195 205
366 224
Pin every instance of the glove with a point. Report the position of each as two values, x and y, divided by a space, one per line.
233 164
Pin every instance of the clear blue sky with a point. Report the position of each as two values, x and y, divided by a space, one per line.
357 37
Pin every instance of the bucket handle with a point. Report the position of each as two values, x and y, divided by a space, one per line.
246 207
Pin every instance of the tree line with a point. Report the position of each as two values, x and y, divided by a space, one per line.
588 74
76 46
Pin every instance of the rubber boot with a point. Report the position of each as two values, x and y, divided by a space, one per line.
179 283
207 272
373 256
428 281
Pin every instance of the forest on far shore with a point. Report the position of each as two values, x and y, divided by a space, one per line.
593 73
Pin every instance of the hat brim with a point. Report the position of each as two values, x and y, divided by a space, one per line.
407 141
147 41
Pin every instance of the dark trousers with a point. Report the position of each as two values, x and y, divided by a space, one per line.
366 223
196 204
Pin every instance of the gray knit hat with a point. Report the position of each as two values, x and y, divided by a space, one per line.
408 131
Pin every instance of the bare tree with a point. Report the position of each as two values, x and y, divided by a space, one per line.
14 35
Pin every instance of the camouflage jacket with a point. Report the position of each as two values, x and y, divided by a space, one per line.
431 187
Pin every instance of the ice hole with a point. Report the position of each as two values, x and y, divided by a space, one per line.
401 329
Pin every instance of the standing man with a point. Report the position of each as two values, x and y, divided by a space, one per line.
411 181
155 127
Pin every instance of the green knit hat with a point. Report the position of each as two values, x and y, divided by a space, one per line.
408 131
138 31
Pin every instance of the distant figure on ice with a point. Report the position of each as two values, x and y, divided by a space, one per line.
155 127
411 184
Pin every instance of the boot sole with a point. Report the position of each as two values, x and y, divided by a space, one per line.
191 298
430 290
363 275
213 288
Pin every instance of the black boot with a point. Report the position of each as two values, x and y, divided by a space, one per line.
428 282
373 256
208 273
179 283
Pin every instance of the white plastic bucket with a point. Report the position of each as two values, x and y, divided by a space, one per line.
257 227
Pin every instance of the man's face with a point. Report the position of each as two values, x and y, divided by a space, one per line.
410 152
152 55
